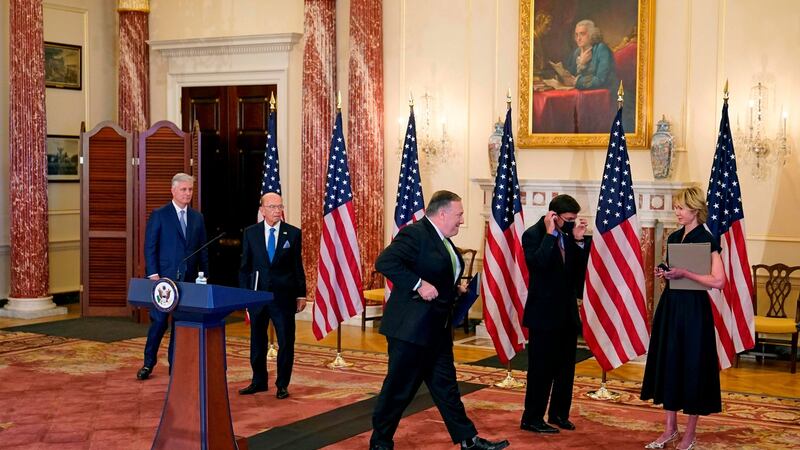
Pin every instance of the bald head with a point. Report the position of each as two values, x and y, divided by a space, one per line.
271 197
271 208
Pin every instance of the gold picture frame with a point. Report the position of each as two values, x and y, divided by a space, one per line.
556 113
63 66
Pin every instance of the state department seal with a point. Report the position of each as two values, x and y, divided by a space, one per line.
165 295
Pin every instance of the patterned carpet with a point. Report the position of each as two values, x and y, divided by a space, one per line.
68 393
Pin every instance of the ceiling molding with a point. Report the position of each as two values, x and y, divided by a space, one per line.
229 45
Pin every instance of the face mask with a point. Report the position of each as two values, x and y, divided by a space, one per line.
567 227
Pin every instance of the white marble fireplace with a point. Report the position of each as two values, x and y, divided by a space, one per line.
654 209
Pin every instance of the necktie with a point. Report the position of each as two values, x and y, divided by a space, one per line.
271 244
183 222
561 247
453 259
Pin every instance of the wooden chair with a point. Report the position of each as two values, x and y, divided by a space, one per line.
779 289
374 285
469 264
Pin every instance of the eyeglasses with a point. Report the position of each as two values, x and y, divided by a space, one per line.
567 220
274 207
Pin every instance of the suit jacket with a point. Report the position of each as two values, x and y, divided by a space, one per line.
284 276
165 246
554 283
417 252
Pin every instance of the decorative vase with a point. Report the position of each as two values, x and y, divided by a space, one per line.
661 148
495 142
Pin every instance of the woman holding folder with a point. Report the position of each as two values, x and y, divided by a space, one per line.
682 371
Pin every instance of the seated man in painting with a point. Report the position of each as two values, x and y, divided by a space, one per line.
591 65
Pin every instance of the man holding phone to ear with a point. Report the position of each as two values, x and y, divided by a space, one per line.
556 253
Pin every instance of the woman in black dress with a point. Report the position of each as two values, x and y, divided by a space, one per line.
682 371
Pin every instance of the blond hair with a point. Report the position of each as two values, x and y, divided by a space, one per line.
693 198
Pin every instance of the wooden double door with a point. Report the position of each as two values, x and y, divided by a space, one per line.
233 128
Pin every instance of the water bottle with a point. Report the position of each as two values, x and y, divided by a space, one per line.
201 278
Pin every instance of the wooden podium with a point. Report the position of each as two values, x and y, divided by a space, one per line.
196 412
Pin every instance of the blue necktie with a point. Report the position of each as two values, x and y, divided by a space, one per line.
183 222
271 244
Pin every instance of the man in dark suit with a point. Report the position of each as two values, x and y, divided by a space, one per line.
556 255
173 232
272 248
424 267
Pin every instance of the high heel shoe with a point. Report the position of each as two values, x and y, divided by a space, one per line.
690 447
662 444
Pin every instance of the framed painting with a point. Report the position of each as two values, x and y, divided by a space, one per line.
63 154
573 57
62 66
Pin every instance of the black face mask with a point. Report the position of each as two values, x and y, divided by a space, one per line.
567 227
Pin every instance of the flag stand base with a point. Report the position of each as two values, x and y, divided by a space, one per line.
272 353
603 394
510 382
339 362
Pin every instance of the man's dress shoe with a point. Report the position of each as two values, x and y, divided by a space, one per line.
143 373
482 444
252 389
564 424
282 393
538 427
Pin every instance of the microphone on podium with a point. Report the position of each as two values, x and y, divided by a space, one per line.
202 247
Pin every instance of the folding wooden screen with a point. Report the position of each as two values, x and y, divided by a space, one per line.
125 177
163 151
106 220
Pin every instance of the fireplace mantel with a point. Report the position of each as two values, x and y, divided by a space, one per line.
654 210
654 204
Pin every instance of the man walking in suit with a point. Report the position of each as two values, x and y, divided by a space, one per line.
424 267
556 255
173 232
272 249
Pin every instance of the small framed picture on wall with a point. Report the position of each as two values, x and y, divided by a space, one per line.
62 66
63 153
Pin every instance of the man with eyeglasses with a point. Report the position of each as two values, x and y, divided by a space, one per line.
271 257
556 254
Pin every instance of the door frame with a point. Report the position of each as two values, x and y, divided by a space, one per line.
232 61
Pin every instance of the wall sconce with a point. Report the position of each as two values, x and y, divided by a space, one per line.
762 152
433 150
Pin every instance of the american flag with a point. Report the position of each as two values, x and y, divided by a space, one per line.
504 284
339 293
272 177
271 180
732 306
614 314
410 206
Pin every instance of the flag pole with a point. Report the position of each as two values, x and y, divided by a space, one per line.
509 382
339 362
272 353
603 393
725 94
